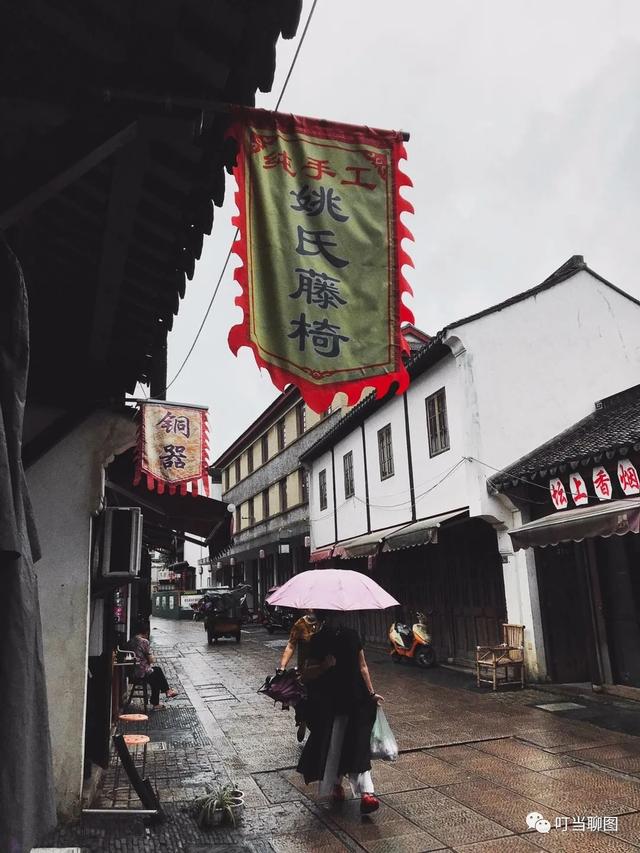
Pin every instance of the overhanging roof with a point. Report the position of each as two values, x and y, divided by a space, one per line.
112 156
612 429
204 517
605 519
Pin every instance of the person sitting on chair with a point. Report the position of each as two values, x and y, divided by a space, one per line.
145 667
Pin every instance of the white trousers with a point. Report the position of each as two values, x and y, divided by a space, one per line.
361 783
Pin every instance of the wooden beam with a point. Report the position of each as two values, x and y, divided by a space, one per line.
128 175
56 183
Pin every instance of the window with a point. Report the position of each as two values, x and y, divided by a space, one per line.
349 487
282 490
238 523
300 417
322 488
437 425
385 452
304 486
251 513
264 443
265 503
226 479
238 470
280 433
250 459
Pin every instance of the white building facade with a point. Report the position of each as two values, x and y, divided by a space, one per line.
483 392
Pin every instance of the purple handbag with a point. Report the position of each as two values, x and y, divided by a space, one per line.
284 687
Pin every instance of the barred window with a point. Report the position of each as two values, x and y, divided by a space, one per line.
300 417
282 488
280 434
437 424
349 486
250 459
322 488
265 504
264 442
385 452
304 487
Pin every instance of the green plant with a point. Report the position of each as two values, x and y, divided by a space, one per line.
218 801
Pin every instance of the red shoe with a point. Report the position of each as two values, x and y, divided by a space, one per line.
337 795
369 803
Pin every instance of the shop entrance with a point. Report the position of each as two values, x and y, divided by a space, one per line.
618 560
565 610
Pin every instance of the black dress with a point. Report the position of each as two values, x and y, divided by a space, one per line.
339 692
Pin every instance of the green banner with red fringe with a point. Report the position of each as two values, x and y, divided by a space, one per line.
320 238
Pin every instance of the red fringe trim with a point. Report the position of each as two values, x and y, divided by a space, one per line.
320 397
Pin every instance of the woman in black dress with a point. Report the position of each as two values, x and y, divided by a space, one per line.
341 711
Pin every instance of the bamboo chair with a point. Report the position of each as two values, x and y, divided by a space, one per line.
508 655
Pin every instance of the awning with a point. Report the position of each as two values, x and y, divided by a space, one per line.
321 554
420 532
363 546
165 514
605 519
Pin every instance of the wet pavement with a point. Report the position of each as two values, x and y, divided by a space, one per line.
473 764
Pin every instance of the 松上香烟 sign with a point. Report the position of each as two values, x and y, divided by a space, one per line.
319 209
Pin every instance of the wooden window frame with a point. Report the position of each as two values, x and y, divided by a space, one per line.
349 479
437 423
322 489
250 459
385 452
282 494
281 434
266 513
264 448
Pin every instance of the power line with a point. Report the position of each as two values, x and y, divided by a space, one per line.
235 236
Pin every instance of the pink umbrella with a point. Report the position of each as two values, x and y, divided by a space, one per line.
332 589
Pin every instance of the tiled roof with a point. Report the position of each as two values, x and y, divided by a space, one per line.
613 427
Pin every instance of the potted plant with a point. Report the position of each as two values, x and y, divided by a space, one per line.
219 805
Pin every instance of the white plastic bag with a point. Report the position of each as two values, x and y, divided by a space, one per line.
383 742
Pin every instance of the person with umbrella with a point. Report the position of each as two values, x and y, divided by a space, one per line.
301 632
342 704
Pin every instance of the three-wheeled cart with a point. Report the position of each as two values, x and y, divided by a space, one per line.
223 616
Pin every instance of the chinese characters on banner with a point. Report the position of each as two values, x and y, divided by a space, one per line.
602 485
578 490
172 448
319 209
558 493
628 478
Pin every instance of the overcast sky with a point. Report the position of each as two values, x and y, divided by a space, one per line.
525 147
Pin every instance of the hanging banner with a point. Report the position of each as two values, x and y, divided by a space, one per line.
578 490
558 493
628 477
319 209
601 483
172 447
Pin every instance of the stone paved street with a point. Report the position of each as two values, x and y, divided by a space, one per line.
473 764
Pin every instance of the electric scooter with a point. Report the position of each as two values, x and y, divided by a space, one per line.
412 643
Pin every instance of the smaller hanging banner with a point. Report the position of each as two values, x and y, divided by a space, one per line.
172 447
320 239
558 493
628 477
602 483
578 490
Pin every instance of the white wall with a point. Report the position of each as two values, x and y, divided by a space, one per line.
389 499
352 512
322 523
65 487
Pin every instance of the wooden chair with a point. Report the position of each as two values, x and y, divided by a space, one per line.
508 655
